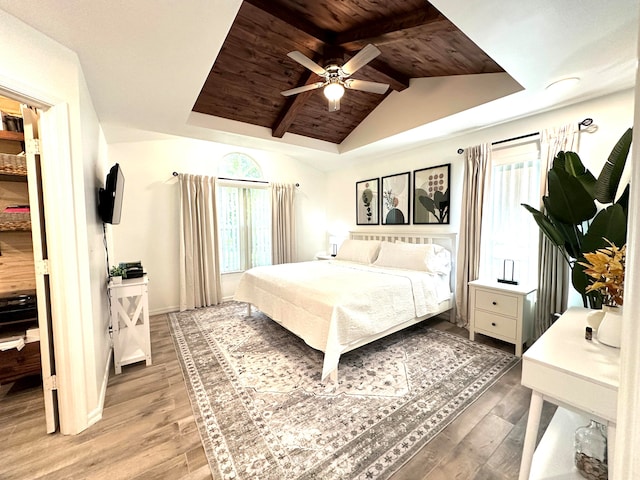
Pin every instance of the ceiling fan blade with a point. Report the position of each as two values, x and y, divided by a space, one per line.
365 86
360 59
334 105
307 62
304 88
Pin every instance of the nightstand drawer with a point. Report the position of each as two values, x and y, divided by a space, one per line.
494 324
497 302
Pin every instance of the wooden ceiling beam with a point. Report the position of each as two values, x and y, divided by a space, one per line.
292 107
390 29
385 74
276 10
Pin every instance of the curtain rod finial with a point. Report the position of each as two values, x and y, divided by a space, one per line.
460 151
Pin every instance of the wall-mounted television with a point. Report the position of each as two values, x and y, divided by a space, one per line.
110 197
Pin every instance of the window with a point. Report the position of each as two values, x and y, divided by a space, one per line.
244 215
508 230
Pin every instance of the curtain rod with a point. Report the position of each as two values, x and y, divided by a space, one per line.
175 174
584 123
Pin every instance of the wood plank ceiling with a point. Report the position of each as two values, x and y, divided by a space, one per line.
252 68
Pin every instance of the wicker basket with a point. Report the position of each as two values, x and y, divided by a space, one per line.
14 222
13 164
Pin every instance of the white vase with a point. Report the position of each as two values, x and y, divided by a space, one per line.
611 326
594 318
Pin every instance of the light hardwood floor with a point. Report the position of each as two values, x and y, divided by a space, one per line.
148 430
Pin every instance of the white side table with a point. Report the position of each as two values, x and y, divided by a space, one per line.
324 257
130 322
502 311
581 375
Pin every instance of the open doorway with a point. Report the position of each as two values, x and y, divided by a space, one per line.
26 346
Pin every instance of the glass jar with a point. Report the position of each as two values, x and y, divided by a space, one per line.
591 451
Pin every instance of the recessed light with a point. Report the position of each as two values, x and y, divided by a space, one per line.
563 84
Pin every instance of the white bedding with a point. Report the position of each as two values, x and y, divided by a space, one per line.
333 305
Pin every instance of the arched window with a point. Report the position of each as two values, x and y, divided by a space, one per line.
244 215
239 166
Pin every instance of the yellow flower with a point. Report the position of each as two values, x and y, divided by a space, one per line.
606 267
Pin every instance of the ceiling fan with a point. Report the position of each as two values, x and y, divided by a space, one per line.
336 78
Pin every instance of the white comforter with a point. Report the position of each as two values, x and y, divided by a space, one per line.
333 304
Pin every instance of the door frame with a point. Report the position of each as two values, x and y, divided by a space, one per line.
64 262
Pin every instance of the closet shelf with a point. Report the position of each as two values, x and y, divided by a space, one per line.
9 135
13 164
15 222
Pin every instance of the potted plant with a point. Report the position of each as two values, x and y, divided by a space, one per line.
116 273
571 219
605 268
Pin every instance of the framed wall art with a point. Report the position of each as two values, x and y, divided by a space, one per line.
367 202
396 190
431 195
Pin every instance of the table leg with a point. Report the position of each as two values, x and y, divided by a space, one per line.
611 444
533 423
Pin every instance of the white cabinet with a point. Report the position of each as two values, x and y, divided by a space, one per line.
564 368
130 322
502 311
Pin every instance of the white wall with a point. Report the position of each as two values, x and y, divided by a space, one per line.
34 66
612 114
150 222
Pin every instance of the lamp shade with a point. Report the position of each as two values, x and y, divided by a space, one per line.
334 91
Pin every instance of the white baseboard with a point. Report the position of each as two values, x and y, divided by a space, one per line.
96 414
160 311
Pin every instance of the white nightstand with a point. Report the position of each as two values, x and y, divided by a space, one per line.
324 257
502 311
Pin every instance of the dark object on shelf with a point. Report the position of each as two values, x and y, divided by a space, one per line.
18 308
504 273
132 269
588 334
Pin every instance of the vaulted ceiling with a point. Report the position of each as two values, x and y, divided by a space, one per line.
252 68
145 64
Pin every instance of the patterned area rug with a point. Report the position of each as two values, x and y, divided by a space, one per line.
263 412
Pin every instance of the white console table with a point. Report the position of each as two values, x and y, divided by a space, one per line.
130 322
580 375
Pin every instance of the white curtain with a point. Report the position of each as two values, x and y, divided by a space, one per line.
553 271
199 267
477 176
283 231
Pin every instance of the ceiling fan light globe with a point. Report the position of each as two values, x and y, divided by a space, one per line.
334 91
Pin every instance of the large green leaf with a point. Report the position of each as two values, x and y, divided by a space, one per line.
559 161
623 201
546 226
571 233
610 223
574 166
609 178
568 201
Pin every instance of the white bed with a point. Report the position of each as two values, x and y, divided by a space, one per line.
338 305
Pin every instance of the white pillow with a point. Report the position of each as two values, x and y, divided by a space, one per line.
360 251
411 256
437 259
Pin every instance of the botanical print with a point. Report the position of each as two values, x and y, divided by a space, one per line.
395 199
431 195
367 202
